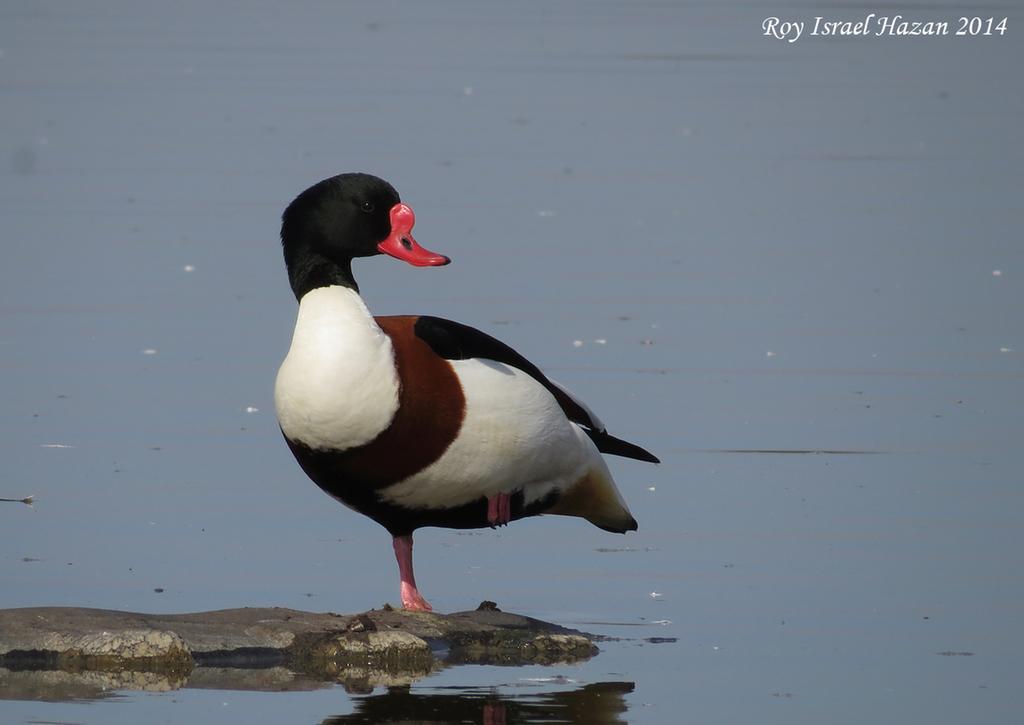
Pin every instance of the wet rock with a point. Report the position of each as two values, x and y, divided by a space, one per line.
379 647
101 649
329 651
361 623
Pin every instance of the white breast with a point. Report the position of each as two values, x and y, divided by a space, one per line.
514 437
338 387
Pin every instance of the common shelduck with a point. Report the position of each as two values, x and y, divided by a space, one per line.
415 420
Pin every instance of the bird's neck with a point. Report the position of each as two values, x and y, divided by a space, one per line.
308 270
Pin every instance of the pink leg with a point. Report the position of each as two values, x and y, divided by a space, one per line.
499 509
411 597
494 713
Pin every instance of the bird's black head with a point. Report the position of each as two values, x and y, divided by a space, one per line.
338 219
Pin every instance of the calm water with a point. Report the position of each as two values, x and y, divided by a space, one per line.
794 271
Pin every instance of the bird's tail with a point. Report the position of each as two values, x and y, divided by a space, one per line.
595 498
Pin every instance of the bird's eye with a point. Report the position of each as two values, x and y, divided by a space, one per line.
367 206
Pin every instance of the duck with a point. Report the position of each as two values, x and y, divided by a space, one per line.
418 421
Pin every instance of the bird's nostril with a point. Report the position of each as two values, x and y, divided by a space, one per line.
406 243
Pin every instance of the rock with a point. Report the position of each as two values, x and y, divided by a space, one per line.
294 649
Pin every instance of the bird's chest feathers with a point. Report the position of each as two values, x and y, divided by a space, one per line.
338 387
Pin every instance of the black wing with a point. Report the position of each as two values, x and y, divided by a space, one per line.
455 341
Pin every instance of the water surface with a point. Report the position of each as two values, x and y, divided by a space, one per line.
791 270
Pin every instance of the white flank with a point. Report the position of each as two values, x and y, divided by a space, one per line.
338 387
514 437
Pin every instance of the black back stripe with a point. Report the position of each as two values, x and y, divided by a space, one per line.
455 341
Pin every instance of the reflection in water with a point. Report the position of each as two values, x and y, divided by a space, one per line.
80 686
61 686
598 704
